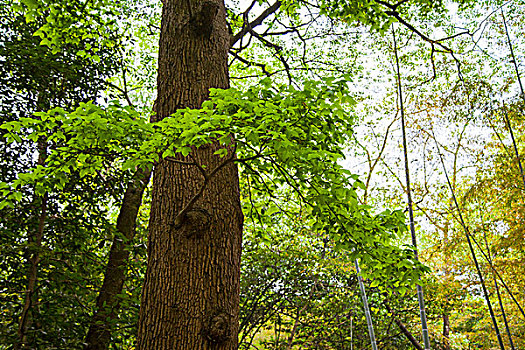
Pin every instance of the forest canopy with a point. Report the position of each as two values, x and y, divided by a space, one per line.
285 174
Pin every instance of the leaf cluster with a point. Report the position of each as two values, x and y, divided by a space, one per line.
284 137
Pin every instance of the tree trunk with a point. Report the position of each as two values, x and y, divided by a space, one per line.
408 335
34 246
446 332
190 297
99 332
404 329
446 319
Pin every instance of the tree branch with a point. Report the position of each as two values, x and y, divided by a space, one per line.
247 27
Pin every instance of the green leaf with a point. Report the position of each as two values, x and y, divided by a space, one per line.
272 208
17 196
32 4
185 151
221 152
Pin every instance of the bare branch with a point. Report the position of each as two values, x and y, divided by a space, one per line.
247 27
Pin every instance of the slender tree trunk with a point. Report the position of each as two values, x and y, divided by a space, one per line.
420 296
297 321
35 244
99 332
446 332
404 329
471 247
503 313
190 297
408 335
446 318
366 308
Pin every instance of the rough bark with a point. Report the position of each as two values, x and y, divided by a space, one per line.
190 297
99 333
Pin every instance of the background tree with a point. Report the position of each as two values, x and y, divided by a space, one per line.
46 229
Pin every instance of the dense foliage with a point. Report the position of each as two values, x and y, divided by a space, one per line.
314 119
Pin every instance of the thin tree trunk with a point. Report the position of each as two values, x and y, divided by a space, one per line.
471 248
503 313
190 297
407 334
297 320
446 332
306 305
516 152
351 333
420 297
368 316
35 244
514 62
404 329
446 318
99 333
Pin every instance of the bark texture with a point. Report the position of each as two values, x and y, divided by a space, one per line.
190 297
99 333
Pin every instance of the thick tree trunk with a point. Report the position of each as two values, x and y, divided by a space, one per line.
190 297
99 332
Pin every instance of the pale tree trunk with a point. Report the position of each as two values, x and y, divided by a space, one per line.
190 297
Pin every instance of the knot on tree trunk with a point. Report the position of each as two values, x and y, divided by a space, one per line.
218 328
202 22
194 223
